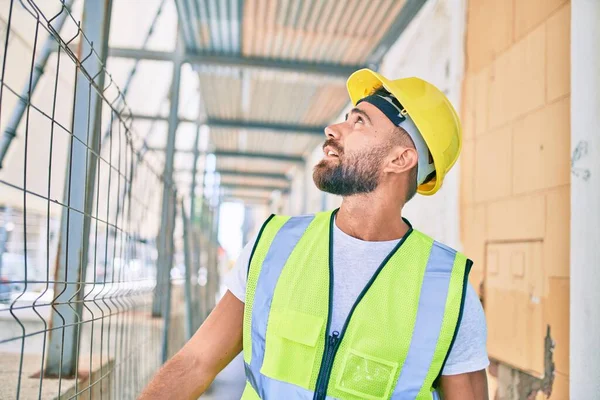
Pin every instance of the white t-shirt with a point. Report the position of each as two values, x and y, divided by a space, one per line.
468 353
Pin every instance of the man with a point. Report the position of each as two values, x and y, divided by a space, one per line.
354 303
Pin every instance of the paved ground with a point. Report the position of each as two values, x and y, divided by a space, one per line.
229 385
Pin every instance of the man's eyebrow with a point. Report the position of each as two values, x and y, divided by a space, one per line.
357 110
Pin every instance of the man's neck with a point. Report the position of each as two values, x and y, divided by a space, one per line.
371 217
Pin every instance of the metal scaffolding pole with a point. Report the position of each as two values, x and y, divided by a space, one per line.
194 245
164 260
169 251
194 172
67 308
42 59
189 313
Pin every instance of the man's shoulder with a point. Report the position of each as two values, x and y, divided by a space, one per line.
280 220
419 235
469 351
473 317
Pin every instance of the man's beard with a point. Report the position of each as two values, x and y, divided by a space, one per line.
354 174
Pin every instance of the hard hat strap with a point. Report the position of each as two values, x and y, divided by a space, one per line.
393 110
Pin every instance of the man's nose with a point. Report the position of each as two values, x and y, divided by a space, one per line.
332 132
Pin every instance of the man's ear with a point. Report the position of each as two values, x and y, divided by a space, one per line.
402 159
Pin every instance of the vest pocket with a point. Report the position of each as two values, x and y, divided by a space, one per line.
366 376
291 346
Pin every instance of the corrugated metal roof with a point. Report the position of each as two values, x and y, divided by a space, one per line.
328 32
268 96
336 31
212 26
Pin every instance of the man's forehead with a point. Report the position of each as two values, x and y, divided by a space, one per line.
375 114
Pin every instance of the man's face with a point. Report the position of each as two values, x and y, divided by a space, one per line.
355 152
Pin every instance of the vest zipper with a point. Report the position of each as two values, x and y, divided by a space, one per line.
333 341
330 341
330 350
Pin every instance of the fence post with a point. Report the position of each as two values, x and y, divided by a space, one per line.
163 268
170 251
194 249
189 325
197 289
67 306
194 173
205 255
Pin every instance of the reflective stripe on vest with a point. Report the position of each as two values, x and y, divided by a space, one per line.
300 333
434 291
283 243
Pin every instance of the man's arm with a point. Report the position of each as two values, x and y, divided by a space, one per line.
469 386
194 367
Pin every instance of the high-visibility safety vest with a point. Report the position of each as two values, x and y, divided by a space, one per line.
395 340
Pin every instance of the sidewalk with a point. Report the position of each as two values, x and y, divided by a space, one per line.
229 384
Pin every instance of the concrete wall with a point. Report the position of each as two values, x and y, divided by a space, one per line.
432 48
515 179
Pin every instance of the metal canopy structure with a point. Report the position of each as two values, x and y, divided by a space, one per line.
271 77
237 124
198 60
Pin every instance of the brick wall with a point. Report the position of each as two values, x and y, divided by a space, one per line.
515 176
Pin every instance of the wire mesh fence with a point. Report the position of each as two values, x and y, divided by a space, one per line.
81 209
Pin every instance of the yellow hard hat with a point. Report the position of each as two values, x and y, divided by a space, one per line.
430 110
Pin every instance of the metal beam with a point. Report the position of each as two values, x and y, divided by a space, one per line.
141 54
160 302
225 182
252 187
262 126
237 154
80 177
266 156
327 69
240 124
155 118
251 174
198 59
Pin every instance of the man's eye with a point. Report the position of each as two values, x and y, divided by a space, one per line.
360 120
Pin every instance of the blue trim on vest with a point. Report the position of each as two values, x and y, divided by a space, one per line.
430 314
283 244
